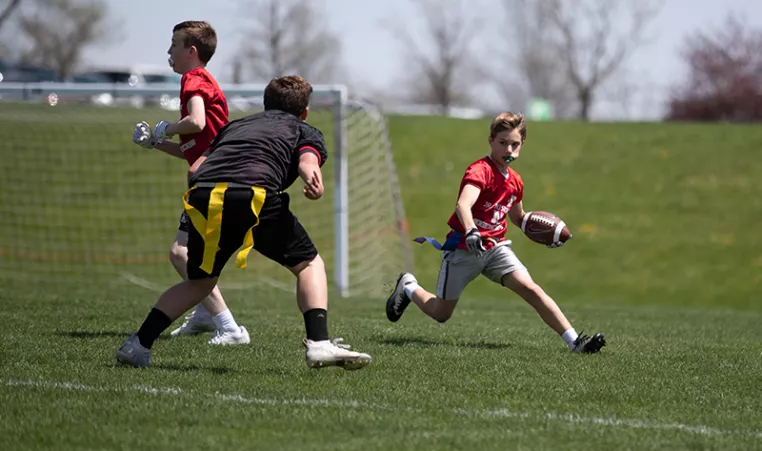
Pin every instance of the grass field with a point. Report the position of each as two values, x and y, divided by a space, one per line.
666 260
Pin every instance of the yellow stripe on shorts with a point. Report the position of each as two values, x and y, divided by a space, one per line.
210 228
257 200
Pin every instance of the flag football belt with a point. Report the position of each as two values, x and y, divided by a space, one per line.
210 227
452 241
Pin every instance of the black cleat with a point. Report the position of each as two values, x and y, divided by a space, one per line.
398 301
589 345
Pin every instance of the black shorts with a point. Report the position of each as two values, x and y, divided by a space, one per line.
278 236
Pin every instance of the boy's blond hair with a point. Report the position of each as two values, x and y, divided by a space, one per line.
508 121
201 35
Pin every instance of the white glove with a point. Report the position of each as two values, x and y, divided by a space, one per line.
555 245
144 137
161 130
474 242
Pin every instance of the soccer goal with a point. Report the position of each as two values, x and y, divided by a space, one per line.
80 197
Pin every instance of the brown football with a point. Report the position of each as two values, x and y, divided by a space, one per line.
544 227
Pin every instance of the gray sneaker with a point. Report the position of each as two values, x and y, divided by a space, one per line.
133 353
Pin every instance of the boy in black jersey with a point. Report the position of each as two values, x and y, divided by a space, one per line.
246 170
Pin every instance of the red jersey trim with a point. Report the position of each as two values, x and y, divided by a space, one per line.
313 150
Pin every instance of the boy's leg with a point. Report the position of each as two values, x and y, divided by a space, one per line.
281 238
171 304
211 313
312 300
504 267
458 269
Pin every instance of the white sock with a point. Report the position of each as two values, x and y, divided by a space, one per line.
410 289
569 336
201 311
225 322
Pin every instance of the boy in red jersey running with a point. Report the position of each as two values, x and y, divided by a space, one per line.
204 111
489 191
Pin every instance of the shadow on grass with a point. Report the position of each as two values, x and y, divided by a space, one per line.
191 368
94 334
178 368
426 343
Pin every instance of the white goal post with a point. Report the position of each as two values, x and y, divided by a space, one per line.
369 242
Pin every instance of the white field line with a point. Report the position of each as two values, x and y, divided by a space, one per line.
350 404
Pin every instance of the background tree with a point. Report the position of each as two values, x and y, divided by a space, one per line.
592 39
441 68
288 37
527 65
58 32
724 76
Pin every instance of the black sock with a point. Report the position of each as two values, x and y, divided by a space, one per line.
316 323
156 322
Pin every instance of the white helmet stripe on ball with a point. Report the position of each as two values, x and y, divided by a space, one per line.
559 228
524 221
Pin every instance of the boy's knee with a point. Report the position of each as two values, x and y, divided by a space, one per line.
315 264
443 312
178 254
442 317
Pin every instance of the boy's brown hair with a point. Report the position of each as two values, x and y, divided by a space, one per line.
290 94
508 121
201 35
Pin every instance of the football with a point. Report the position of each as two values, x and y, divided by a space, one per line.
544 227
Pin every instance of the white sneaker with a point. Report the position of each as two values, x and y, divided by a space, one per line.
230 338
333 353
133 353
194 325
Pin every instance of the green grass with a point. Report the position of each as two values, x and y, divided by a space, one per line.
665 259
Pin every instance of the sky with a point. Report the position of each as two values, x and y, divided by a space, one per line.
373 56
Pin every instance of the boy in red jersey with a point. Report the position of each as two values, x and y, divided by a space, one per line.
490 191
204 111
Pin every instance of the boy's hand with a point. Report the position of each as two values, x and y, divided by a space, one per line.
555 245
161 130
314 188
474 242
144 137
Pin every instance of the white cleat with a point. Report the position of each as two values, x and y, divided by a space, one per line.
194 325
231 338
133 353
333 353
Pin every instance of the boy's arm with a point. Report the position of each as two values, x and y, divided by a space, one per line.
309 171
517 214
170 148
194 122
466 200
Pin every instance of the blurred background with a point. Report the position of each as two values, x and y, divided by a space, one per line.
595 60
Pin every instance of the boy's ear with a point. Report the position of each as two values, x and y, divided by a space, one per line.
304 114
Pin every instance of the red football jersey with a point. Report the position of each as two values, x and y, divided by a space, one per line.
499 193
199 82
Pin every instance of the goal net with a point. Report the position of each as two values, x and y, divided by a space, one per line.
82 204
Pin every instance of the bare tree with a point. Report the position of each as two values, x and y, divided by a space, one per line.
289 37
594 38
528 66
60 30
724 77
440 72
6 14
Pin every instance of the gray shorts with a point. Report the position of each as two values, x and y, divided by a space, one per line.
460 267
